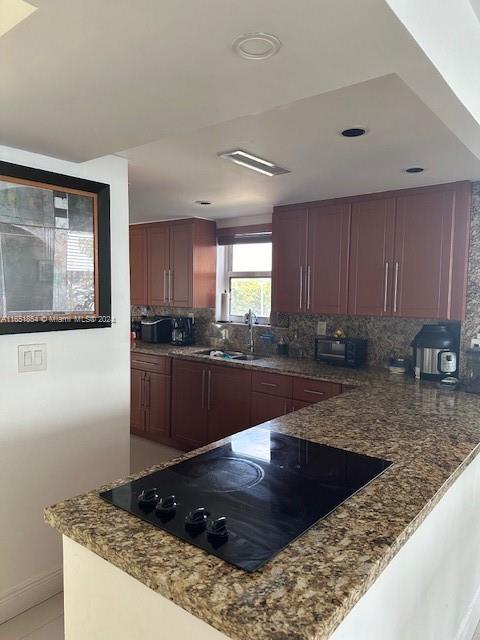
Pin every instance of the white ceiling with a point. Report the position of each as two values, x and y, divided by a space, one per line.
84 79
169 175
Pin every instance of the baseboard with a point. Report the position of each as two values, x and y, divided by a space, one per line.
471 619
30 593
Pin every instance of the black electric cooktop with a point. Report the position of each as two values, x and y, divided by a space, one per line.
248 499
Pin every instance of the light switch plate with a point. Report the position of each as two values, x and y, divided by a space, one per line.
32 357
321 328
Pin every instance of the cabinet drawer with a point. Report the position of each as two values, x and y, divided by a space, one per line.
314 390
274 384
148 362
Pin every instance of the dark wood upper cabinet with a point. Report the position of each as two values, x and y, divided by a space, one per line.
189 405
228 401
371 257
289 260
174 263
424 237
327 259
181 269
158 264
401 253
138 264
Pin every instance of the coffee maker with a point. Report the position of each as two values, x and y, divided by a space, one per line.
182 331
435 352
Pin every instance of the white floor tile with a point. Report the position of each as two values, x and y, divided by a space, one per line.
30 621
51 631
145 453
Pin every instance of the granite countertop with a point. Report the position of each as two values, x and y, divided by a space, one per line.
430 434
300 367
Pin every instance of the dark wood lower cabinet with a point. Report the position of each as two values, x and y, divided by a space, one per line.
201 403
228 401
150 398
189 409
137 411
157 401
266 407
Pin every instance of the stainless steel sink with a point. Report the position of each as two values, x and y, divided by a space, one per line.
230 355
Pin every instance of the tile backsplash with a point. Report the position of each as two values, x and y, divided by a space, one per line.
386 336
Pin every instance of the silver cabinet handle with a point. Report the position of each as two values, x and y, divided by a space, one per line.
170 276
203 389
268 384
285 408
396 289
308 286
301 287
165 285
209 392
147 395
142 392
385 295
315 393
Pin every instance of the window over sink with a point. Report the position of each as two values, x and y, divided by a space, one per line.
248 276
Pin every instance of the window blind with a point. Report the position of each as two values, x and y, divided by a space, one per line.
255 233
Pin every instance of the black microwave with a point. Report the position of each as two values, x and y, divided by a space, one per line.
343 352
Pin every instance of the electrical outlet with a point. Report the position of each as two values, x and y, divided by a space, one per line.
32 357
321 328
475 342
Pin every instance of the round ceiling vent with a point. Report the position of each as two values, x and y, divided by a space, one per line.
256 46
204 203
414 170
354 132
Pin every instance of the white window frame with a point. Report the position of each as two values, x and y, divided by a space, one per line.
229 274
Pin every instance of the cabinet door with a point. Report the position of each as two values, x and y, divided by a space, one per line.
327 258
371 257
138 265
423 255
137 395
189 412
158 263
157 392
289 237
265 407
228 401
181 264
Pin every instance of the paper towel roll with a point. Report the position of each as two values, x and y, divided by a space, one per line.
225 307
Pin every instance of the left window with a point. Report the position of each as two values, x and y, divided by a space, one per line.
53 254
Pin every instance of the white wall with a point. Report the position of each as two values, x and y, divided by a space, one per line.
65 430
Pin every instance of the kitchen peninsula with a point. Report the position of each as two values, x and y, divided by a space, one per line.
412 530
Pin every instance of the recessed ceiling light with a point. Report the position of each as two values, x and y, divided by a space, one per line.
414 170
12 12
256 46
250 161
354 132
204 203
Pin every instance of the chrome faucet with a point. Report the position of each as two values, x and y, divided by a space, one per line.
250 318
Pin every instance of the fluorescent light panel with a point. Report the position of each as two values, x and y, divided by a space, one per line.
12 12
250 161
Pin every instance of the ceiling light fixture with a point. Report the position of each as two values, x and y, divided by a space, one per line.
354 132
250 161
414 170
12 12
256 46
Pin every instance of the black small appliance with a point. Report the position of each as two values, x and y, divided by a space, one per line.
246 500
156 329
182 331
435 351
342 352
